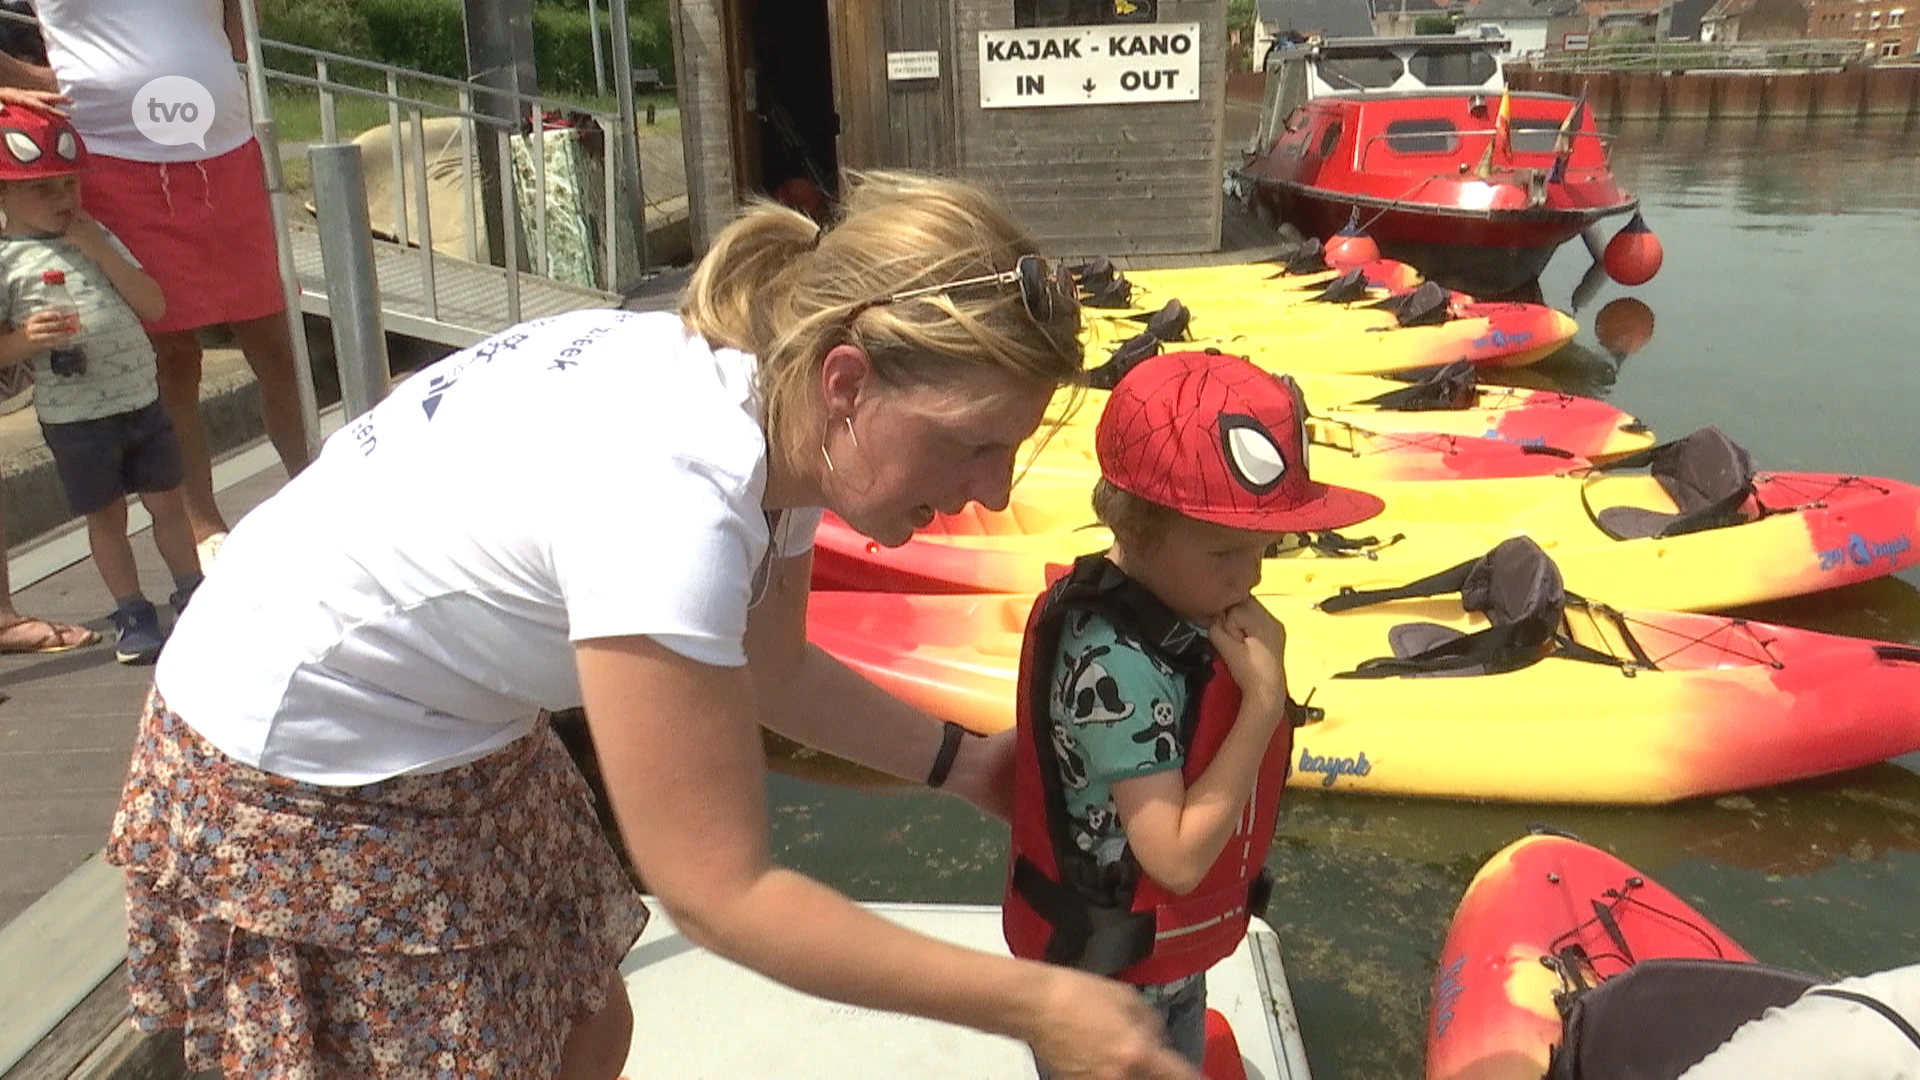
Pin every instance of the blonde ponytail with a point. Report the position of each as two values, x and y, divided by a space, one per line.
774 285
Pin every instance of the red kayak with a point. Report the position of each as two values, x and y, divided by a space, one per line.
1559 949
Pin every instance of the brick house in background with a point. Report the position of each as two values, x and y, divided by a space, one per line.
1309 18
1528 24
1884 28
1398 18
1754 20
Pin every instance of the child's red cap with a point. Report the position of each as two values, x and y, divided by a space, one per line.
1219 440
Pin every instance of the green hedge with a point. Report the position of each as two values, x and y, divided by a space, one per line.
430 35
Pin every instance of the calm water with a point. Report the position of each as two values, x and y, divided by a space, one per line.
1786 313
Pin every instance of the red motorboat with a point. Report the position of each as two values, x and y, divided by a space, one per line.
1419 142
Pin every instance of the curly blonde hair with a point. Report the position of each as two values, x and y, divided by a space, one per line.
776 285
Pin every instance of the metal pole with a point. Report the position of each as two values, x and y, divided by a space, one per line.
263 132
500 67
353 293
629 141
429 282
599 64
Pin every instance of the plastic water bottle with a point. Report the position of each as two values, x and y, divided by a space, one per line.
69 359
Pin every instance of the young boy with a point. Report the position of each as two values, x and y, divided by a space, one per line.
1154 721
94 380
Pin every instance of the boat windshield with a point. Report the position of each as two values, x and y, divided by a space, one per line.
1360 72
1472 68
1534 136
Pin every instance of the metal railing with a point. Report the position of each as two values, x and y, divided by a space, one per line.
1455 136
336 77
1703 56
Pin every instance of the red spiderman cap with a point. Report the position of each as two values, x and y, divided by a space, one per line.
36 144
1219 440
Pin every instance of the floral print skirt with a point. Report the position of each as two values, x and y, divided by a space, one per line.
453 924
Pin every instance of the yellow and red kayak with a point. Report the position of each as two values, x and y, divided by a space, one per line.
1542 905
1818 531
1343 453
1539 419
1359 339
1388 275
1689 705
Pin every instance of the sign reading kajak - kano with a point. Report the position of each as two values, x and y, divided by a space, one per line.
1089 65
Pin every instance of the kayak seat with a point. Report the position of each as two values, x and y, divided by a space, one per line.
1633 522
1708 476
1660 1017
1412 639
1639 523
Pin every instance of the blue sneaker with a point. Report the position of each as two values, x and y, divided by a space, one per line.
137 637
178 601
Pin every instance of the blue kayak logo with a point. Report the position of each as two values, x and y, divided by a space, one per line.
1537 440
1500 339
1447 988
1333 768
1862 552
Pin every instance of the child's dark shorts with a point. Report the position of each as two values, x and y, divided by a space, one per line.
115 456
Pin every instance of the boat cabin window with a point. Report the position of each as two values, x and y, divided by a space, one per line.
1435 135
1330 140
1534 136
1471 68
1360 72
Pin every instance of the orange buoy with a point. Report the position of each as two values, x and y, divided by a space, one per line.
1351 246
1624 326
1634 254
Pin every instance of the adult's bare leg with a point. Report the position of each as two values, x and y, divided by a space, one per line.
596 1048
177 355
268 345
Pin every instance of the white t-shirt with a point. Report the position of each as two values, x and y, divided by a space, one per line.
1826 1038
103 52
411 600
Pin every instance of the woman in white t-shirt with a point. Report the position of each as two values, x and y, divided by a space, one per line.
353 844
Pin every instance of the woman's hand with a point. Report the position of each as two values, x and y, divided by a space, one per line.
1089 1028
44 100
1254 646
983 773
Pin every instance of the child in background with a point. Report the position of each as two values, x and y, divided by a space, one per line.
1154 720
74 302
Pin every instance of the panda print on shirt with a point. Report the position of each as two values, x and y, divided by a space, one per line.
1114 711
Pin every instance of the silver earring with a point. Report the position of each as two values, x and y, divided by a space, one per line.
848 420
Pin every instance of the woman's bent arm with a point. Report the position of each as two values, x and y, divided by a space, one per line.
681 758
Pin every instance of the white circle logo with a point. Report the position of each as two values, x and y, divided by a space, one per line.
1254 456
173 110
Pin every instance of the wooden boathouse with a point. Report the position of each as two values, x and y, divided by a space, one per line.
1099 121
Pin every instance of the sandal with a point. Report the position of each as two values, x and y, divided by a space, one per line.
52 637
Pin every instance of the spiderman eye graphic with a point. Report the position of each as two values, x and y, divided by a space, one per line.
1252 453
22 147
66 146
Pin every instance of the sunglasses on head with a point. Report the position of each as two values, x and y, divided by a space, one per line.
1042 291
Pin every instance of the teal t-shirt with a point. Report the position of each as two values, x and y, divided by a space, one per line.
1115 713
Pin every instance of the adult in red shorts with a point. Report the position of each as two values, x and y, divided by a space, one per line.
178 177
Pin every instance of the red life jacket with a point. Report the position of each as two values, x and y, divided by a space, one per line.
1063 908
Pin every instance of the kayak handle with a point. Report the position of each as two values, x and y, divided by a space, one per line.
1897 653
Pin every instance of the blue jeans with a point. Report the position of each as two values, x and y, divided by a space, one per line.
1182 1006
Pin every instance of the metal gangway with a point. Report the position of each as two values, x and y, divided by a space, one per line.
461 296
